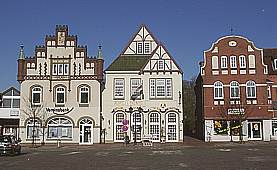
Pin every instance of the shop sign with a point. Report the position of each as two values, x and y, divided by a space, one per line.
59 110
235 111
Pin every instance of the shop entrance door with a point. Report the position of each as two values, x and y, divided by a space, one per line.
254 131
86 132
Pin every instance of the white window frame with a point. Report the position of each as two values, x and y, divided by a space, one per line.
147 48
275 64
218 88
118 132
160 64
119 88
154 126
66 69
30 126
135 84
83 89
242 61
268 92
161 87
139 47
251 84
60 69
252 63
55 69
58 91
61 124
233 61
214 62
171 123
234 86
224 62
37 90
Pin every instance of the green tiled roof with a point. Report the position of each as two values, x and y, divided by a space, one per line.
128 63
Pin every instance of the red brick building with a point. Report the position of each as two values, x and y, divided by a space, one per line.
233 92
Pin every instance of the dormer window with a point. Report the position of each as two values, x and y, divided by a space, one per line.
147 48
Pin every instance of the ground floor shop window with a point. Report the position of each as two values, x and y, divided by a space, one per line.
33 128
59 128
220 127
274 127
235 127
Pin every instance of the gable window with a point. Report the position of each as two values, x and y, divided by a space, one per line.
60 69
84 95
223 61
250 89
136 89
139 47
36 95
218 90
251 59
118 88
160 64
214 62
234 89
160 88
233 62
60 95
146 47
242 62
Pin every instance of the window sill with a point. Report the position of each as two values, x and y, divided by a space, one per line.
83 105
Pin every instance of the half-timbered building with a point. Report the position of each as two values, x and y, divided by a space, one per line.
60 91
232 92
143 93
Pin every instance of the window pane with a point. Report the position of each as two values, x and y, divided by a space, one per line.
16 103
220 127
7 103
60 97
84 97
36 97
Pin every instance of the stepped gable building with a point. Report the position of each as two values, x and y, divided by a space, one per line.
233 91
60 91
143 93
9 112
270 59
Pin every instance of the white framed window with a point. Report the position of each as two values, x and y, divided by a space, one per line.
274 127
66 69
251 89
33 128
214 62
136 88
251 59
84 95
233 61
60 95
137 125
242 62
160 64
36 95
139 48
218 90
234 90
154 123
160 88
60 69
224 62
119 134
58 128
55 69
118 88
147 47
152 88
172 129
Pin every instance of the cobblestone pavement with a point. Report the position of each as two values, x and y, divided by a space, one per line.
188 155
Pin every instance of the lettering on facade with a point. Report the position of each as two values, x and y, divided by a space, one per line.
235 111
14 113
59 110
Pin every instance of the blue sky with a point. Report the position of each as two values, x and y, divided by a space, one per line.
186 27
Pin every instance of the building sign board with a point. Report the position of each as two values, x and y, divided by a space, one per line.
236 111
59 110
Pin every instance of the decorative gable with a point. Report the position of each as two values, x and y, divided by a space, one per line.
161 61
143 42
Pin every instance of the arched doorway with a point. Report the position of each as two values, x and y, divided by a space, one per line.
154 126
137 126
86 131
172 127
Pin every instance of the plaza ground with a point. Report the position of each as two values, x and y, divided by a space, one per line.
191 154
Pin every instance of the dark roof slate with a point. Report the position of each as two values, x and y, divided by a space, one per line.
129 63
